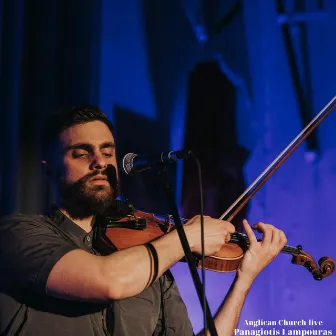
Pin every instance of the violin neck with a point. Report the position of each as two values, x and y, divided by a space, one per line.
290 250
239 238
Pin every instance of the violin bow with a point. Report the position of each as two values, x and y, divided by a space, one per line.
327 265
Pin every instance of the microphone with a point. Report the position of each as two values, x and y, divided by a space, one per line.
134 163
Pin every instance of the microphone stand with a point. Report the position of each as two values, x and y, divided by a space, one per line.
186 248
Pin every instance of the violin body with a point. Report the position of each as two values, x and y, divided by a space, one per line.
227 259
136 228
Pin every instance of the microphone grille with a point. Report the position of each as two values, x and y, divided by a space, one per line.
127 162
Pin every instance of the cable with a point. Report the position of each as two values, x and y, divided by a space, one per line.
163 329
199 170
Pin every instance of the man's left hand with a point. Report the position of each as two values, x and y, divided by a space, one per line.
260 254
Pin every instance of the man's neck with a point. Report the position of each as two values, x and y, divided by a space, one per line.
85 223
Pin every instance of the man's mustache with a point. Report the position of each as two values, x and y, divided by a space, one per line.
109 172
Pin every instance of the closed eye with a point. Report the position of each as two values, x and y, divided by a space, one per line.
79 155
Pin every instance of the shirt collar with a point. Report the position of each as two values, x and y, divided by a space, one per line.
67 225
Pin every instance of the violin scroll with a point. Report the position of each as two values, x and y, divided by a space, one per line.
327 265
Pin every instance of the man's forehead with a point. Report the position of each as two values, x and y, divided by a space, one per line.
94 133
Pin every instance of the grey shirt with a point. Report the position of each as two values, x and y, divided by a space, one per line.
29 248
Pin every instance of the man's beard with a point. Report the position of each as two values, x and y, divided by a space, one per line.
82 200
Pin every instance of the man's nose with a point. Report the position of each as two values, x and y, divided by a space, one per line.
99 161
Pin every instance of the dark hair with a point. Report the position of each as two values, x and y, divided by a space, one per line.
66 118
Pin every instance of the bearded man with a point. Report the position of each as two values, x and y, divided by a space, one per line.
53 282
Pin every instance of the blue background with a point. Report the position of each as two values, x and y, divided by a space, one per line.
136 56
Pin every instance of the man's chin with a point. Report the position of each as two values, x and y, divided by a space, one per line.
101 191
87 199
97 204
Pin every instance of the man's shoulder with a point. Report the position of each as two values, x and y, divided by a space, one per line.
21 219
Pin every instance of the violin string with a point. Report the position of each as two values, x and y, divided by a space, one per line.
238 237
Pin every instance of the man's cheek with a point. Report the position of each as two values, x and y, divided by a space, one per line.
75 175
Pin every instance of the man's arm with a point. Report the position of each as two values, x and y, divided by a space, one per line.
256 258
125 273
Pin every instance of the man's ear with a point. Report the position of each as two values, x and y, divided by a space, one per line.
46 169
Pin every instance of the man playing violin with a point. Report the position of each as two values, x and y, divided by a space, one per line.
53 282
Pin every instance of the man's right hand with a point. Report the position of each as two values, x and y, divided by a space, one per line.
216 233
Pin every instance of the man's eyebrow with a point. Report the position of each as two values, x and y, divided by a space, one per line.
107 144
81 145
88 147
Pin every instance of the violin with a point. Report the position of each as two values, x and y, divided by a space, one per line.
138 227
133 228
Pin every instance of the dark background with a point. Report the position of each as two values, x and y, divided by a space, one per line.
234 81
